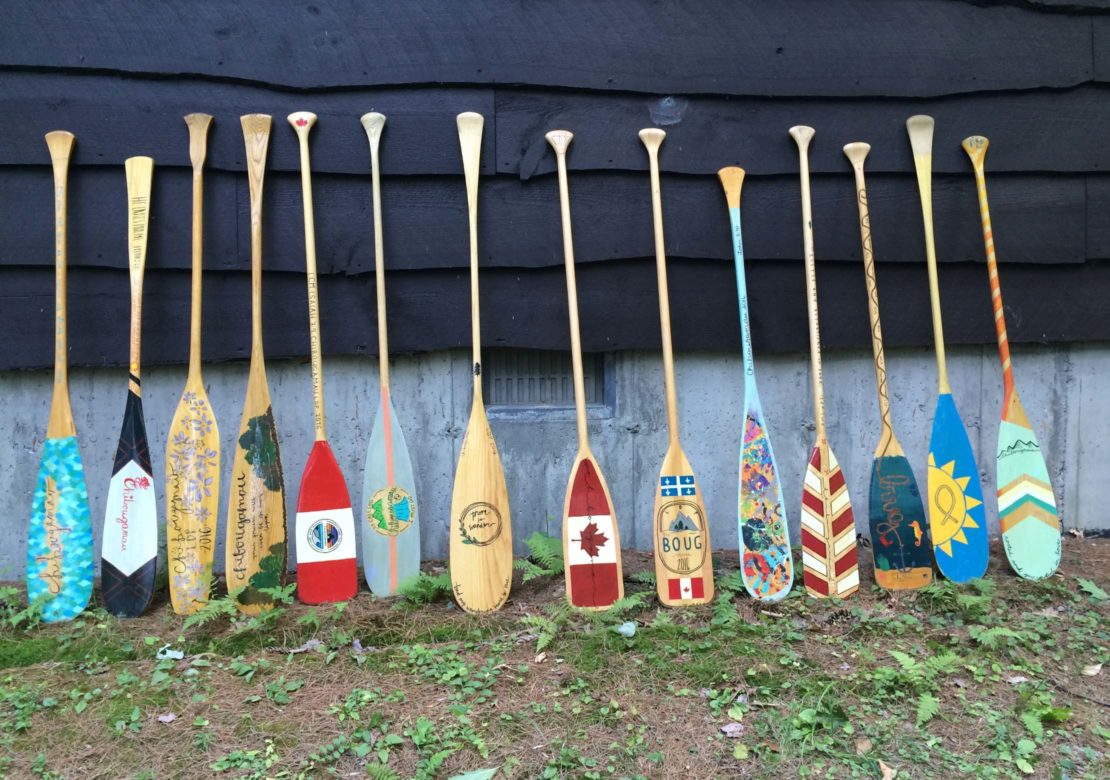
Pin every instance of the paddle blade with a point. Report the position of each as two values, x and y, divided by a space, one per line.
899 533
391 534
327 566
1026 505
254 554
60 542
192 500
957 519
683 559
766 563
831 565
129 549
591 542
481 533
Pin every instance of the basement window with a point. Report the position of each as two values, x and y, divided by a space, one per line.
542 381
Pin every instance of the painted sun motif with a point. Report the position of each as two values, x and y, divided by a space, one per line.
950 505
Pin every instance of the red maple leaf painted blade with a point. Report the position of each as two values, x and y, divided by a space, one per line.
592 540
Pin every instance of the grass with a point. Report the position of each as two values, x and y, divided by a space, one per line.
997 679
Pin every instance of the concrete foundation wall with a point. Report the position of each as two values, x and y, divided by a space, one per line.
1063 389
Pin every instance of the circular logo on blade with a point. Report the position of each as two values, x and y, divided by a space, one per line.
480 524
324 536
390 511
681 540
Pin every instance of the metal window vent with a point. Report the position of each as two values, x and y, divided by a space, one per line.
538 378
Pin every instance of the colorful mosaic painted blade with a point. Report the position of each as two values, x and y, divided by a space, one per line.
591 540
192 501
1026 504
327 557
60 544
957 518
255 552
767 566
390 517
899 531
829 556
129 548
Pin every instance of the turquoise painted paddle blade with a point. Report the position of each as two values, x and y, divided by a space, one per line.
390 525
767 567
957 518
60 543
1026 504
899 531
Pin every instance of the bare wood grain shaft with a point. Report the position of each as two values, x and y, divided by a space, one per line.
652 139
256 137
60 144
560 140
139 173
198 144
374 123
470 141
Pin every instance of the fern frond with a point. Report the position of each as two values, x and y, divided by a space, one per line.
213 610
906 661
530 570
927 708
547 551
425 588
1032 721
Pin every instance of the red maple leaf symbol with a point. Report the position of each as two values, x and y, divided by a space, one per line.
143 482
592 540
302 122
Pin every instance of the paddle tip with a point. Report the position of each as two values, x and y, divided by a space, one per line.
470 120
256 124
976 147
652 138
920 129
802 135
301 122
373 123
60 143
857 152
559 140
732 179
198 137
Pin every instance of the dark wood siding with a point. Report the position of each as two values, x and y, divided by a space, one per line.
725 79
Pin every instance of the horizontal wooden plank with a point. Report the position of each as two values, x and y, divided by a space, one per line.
430 309
704 133
912 48
114 118
1098 217
1038 219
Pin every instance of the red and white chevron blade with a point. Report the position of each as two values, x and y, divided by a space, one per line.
830 563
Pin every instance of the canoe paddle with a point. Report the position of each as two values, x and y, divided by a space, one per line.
193 447
391 536
591 541
129 548
683 556
254 555
60 541
957 520
899 533
1026 504
327 561
766 563
829 558
481 550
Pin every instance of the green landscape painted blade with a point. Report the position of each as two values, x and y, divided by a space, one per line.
1026 504
766 563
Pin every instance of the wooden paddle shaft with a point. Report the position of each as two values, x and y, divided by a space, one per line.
976 148
374 123
857 153
802 136
302 122
920 129
60 143
652 138
560 140
140 171
470 140
256 137
198 145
